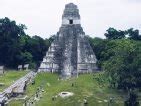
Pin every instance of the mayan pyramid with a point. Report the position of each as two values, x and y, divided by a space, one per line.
70 53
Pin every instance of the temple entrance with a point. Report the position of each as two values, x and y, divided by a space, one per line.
70 21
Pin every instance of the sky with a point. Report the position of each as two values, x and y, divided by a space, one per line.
44 17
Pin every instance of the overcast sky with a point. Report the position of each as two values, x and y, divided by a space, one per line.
43 17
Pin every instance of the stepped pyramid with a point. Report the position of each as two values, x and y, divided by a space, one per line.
70 53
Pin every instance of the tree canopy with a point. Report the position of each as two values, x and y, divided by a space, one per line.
119 56
16 47
131 33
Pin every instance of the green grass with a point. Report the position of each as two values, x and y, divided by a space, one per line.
9 77
84 87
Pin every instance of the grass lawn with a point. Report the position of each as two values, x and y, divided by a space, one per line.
9 77
84 87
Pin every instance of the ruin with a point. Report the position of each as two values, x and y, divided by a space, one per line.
70 53
1 70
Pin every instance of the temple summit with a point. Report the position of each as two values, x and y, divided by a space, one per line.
70 53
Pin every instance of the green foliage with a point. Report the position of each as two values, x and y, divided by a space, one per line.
132 99
123 67
99 46
119 34
114 34
26 57
37 47
133 34
9 42
120 57
18 48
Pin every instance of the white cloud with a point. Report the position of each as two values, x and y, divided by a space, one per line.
43 17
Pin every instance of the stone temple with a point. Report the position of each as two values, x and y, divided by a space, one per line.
70 53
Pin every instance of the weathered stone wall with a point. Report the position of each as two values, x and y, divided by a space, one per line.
65 21
70 53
